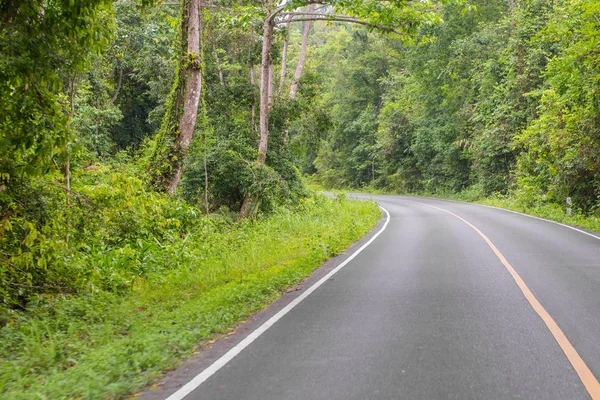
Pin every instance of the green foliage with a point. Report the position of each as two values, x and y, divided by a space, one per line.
41 45
143 60
157 288
354 96
492 100
563 143
99 241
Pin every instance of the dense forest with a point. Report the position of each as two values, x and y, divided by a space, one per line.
502 98
127 123
148 145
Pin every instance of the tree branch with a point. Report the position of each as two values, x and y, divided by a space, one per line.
282 7
277 11
341 18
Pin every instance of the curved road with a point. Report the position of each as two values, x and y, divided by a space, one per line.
429 310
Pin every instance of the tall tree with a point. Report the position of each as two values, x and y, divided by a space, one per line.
399 17
179 123
284 54
302 55
265 75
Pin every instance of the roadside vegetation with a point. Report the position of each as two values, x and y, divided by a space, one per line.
551 211
127 281
497 104
542 209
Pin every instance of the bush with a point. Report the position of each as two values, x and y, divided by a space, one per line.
155 299
104 238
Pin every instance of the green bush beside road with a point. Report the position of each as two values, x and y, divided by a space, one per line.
146 279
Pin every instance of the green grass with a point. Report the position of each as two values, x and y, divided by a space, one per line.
549 210
109 345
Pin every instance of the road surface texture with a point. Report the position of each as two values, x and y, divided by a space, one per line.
430 310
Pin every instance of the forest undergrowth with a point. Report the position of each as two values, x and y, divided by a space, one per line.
139 279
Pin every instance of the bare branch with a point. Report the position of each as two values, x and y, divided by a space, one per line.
277 11
341 18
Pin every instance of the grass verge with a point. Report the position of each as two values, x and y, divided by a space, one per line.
551 211
109 345
547 210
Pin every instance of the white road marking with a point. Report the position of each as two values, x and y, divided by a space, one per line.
497 208
538 218
225 358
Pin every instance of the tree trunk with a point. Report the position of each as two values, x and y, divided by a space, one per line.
67 164
264 89
205 176
193 88
302 56
252 82
120 80
178 126
250 203
271 85
221 79
66 167
284 60
299 68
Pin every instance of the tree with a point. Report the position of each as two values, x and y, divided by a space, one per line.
42 46
399 17
561 145
302 55
178 125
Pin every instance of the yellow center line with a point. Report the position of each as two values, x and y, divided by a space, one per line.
585 374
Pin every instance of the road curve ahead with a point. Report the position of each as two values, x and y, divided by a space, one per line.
450 301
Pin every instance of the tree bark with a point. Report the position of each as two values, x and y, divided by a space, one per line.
193 87
271 85
66 167
205 176
302 56
221 79
252 82
119 63
264 88
299 68
250 203
284 60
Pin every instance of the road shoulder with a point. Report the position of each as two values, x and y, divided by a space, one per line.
209 352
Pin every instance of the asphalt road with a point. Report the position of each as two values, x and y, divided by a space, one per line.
429 311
